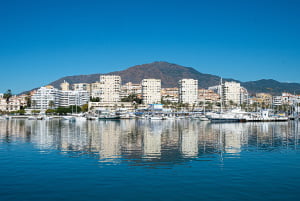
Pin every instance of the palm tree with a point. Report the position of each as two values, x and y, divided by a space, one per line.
7 95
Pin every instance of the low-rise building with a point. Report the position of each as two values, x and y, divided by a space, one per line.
14 103
207 95
277 100
111 106
82 87
290 99
170 95
263 98
130 88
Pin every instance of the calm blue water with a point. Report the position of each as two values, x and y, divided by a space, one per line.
141 160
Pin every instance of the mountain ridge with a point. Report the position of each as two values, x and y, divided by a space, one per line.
171 73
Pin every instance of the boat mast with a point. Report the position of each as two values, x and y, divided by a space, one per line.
204 102
221 94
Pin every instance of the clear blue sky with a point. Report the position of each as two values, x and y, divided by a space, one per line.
41 41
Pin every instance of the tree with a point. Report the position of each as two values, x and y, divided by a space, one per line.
35 111
21 112
210 105
132 98
7 95
85 108
63 110
94 99
28 100
50 111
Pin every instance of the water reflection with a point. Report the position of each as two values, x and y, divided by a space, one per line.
142 142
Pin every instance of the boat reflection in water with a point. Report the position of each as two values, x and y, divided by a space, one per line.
151 143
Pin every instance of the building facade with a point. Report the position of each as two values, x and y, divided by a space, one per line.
51 98
82 87
130 88
13 104
277 100
46 98
77 98
151 91
110 87
188 91
95 90
231 92
170 94
65 86
207 95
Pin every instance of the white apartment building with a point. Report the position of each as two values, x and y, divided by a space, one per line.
188 91
46 98
78 98
231 92
151 91
110 87
82 87
50 98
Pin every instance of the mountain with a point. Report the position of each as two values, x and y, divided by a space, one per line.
271 86
170 74
167 72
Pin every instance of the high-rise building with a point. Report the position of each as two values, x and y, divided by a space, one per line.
110 87
188 91
151 91
231 92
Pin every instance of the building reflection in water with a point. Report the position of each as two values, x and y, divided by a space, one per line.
189 140
154 141
110 143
